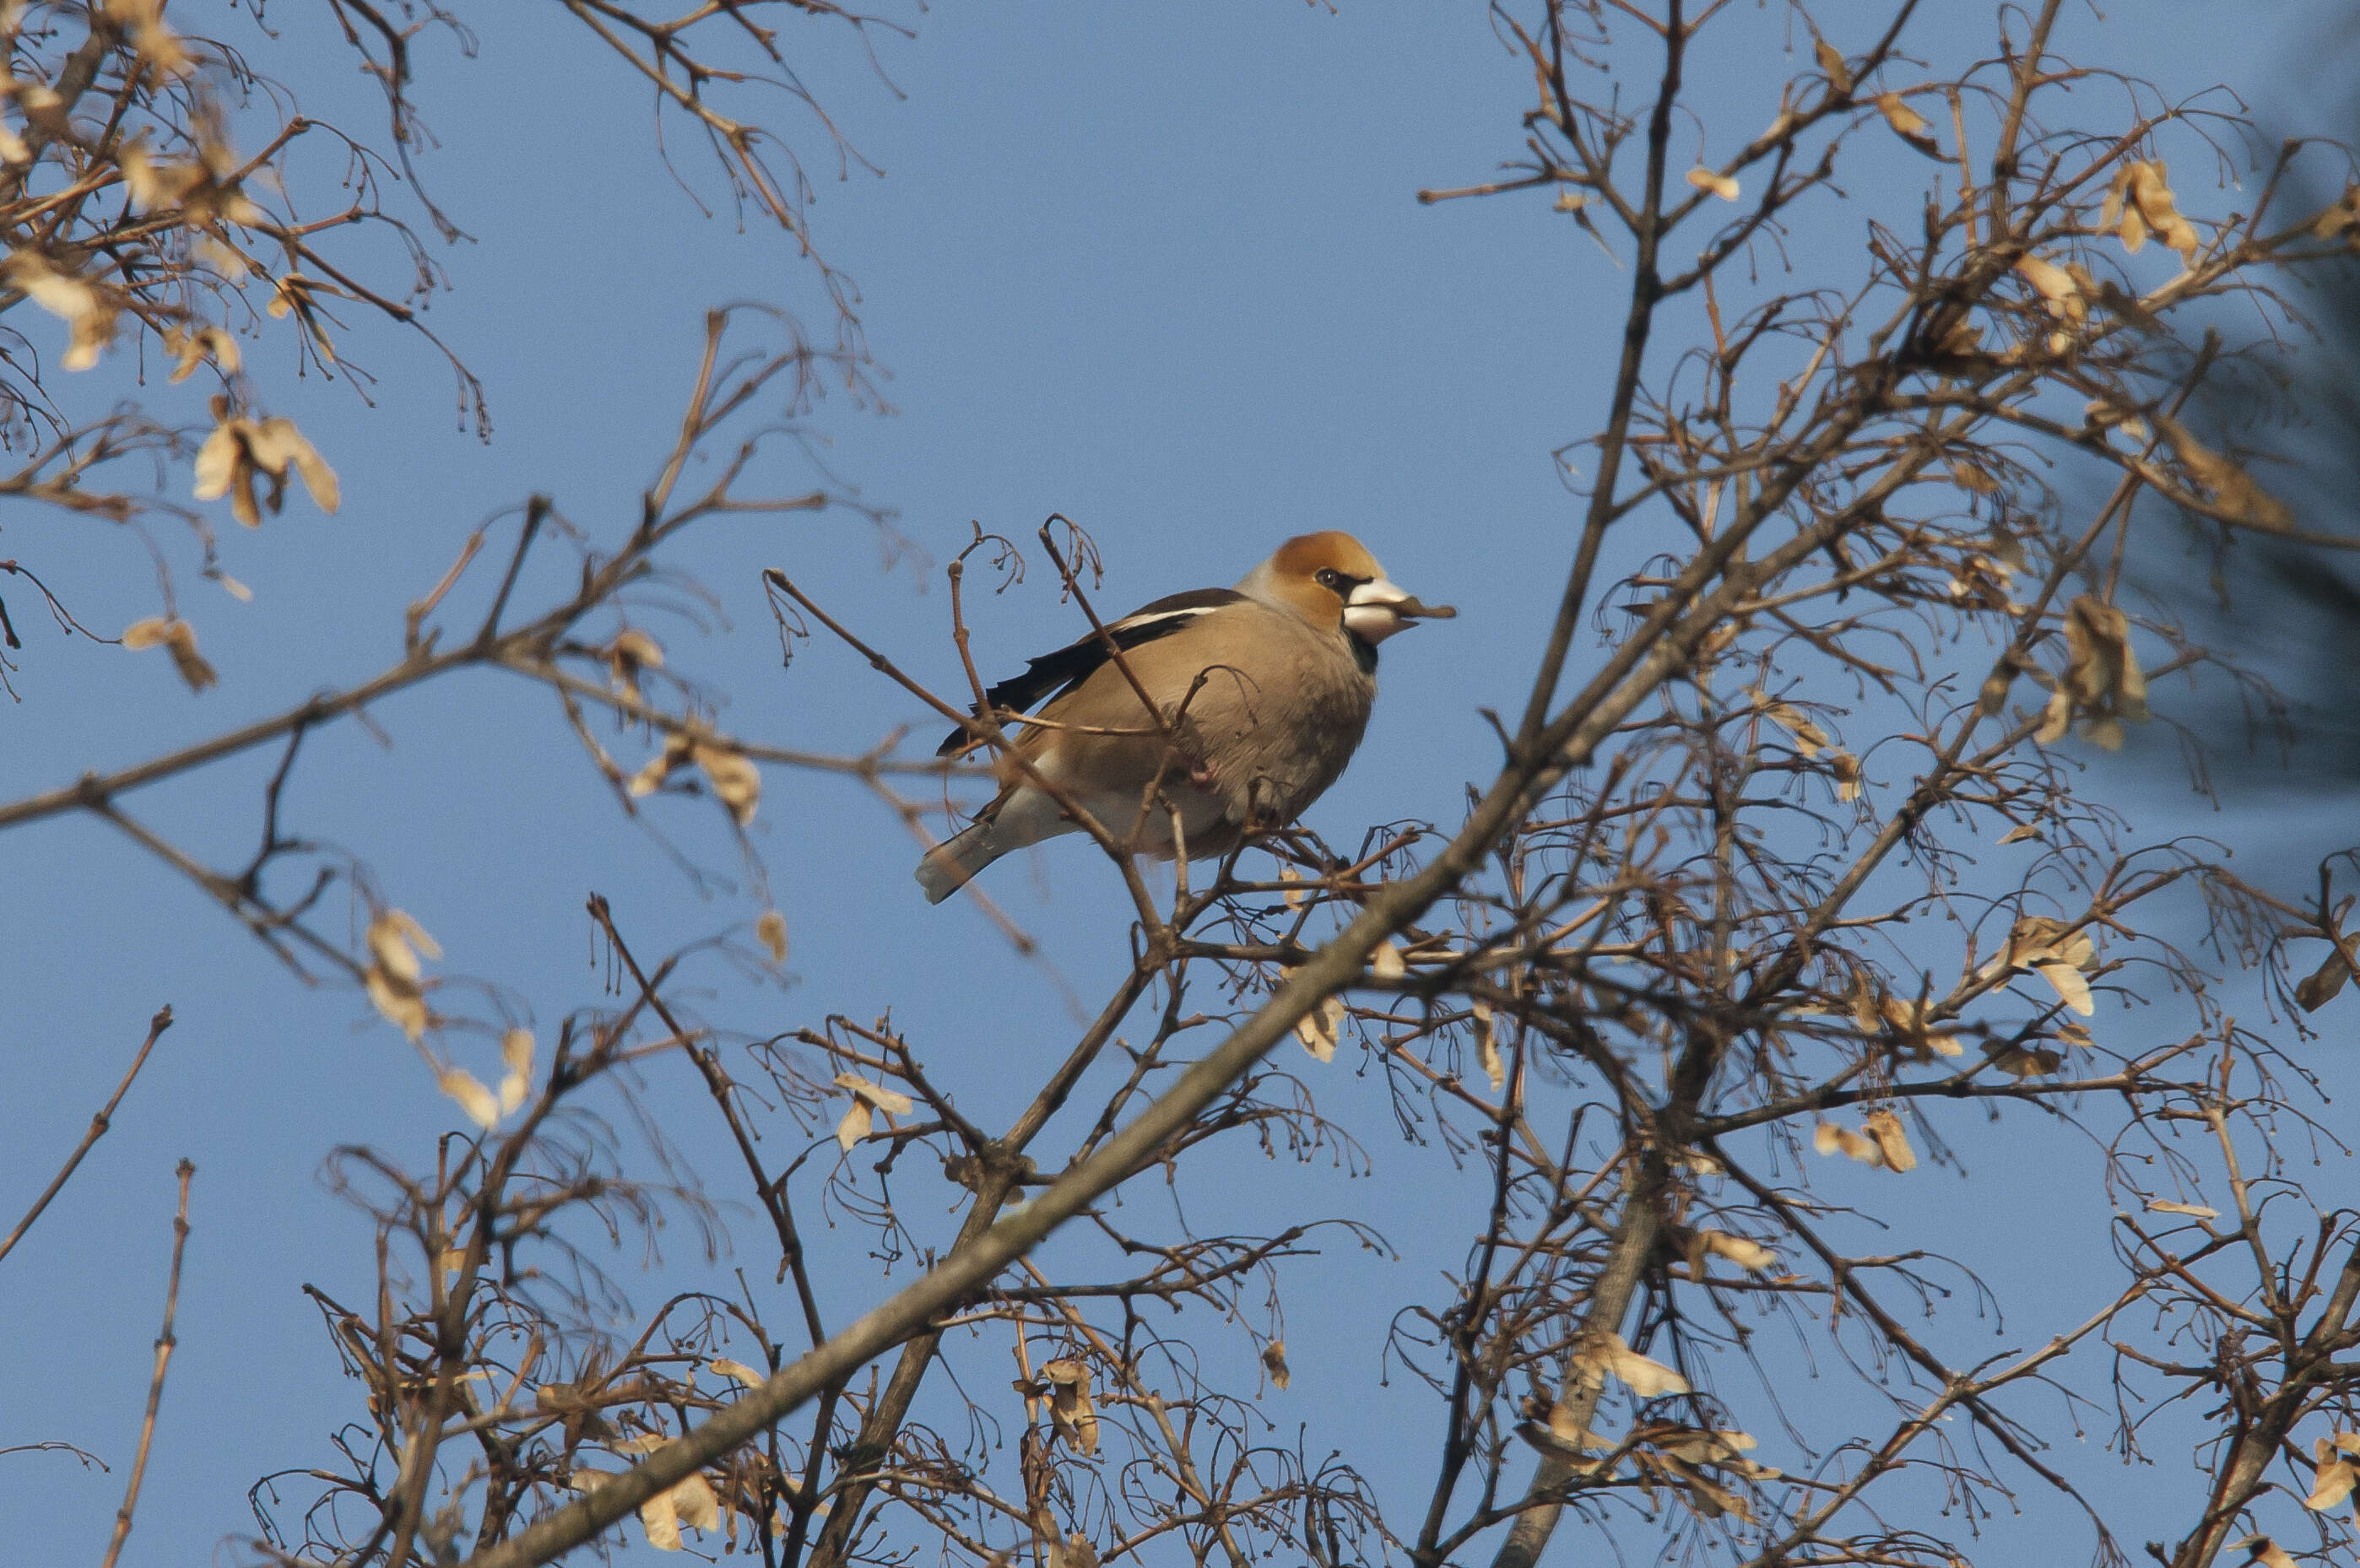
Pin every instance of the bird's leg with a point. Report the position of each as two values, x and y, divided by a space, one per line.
1189 762
1262 809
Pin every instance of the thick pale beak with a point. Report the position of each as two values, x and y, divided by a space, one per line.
1378 609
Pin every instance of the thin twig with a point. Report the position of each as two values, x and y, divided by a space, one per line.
98 1126
164 1343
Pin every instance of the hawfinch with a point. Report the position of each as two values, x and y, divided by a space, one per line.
1264 689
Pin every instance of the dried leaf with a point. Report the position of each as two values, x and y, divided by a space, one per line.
1708 1499
2060 290
632 651
868 1100
222 257
1070 1410
2103 680
482 1106
402 1003
770 930
241 451
1867 1005
1885 1128
1809 739
2233 489
1487 1045
1721 185
1846 768
221 469
181 638
1386 963
1906 121
1692 1447
735 780
2166 1207
2338 217
155 184
516 1052
2140 203
1602 1355
691 1503
651 778
1292 891
153 632
2335 1484
2036 941
277 444
393 978
693 1500
1829 1139
2065 292
396 940
1831 61
160 49
1917 1033
1743 1251
2070 986
1968 476
1273 1361
279 437
88 311
191 347
293 294
2263 1550
738 1370
891 1102
1316 1029
2028 1062
854 1127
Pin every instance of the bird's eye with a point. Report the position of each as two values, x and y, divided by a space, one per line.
1327 577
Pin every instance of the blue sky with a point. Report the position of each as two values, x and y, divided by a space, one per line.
1158 268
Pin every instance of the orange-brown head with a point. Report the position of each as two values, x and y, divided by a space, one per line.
1330 579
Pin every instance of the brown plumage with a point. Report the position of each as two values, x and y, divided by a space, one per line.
1265 690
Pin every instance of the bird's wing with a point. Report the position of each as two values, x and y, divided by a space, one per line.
1073 664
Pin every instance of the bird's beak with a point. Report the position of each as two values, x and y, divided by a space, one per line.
1377 609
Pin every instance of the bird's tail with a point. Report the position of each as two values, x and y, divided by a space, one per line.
949 865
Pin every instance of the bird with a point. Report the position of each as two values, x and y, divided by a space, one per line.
1261 693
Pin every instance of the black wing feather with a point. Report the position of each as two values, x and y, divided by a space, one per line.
1054 674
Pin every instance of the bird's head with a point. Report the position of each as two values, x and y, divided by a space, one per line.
1330 578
